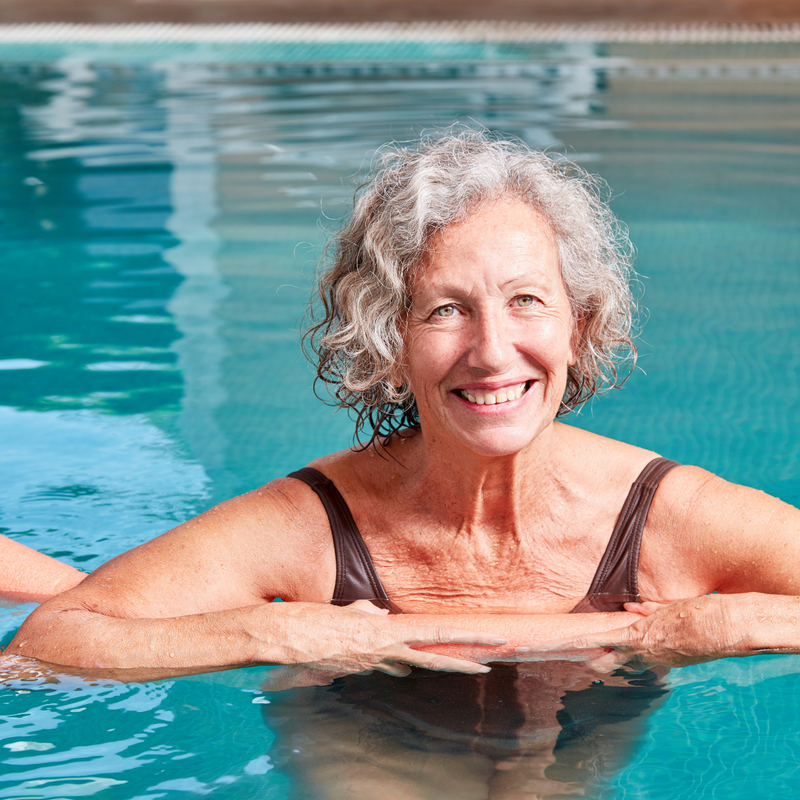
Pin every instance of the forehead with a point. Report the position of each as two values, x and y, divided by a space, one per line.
508 238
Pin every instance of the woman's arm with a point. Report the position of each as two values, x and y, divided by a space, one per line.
325 636
30 576
690 631
320 636
519 630
201 596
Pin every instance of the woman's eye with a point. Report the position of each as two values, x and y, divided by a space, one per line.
445 311
526 300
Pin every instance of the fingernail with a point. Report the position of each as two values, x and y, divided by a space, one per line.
499 641
522 649
484 669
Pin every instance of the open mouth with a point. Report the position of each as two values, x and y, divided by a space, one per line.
504 395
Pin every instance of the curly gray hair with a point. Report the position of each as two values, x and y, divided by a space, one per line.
416 191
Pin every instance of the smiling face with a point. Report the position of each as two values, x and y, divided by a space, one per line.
489 334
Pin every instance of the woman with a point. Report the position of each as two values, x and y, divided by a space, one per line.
479 291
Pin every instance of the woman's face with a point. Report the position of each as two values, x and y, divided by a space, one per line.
489 335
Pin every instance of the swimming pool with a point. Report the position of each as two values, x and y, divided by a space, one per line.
162 215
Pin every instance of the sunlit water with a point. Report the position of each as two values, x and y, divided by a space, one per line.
162 217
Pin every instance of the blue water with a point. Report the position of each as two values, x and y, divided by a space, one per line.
161 219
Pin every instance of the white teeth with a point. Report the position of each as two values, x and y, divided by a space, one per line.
490 398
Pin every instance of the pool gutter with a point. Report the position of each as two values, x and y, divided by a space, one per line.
423 32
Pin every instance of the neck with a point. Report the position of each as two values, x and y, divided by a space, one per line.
480 493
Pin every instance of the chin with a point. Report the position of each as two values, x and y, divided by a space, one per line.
501 443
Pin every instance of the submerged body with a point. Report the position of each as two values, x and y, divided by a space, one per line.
523 730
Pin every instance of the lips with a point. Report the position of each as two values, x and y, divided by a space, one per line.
494 397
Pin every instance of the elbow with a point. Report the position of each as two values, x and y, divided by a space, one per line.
58 635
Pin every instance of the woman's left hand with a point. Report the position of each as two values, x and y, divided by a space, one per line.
674 635
296 676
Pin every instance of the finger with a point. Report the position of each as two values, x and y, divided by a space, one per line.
628 665
644 609
607 663
295 676
452 636
368 607
636 665
589 641
440 663
395 668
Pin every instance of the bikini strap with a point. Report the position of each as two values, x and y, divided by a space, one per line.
617 578
356 578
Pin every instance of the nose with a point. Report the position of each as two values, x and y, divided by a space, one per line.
492 348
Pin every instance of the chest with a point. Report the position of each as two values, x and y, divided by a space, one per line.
545 566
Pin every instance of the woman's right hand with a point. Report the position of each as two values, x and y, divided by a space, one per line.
325 642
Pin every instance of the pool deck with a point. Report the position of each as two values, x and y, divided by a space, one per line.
316 11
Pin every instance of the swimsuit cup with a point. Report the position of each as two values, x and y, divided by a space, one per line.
495 714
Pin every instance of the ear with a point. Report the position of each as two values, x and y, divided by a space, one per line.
396 377
576 339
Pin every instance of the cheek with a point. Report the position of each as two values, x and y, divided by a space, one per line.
430 356
565 342
555 344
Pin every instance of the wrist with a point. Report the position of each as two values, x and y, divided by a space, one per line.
764 622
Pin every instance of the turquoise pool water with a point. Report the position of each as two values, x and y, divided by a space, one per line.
161 217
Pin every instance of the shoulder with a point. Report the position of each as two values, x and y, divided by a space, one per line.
273 506
693 497
608 462
731 538
578 439
271 542
361 472
276 537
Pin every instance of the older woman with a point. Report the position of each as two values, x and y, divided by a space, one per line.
479 291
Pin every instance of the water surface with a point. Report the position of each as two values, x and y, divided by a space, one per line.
161 220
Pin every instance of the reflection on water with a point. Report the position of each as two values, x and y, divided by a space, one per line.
160 226
523 731
83 486
71 737
173 214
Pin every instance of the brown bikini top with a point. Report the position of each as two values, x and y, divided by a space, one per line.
615 582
